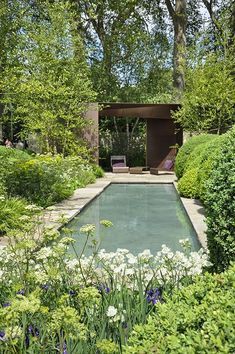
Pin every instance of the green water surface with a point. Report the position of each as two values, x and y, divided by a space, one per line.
144 216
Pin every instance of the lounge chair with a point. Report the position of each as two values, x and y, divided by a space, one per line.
118 164
166 165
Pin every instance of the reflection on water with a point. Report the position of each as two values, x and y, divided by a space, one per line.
143 216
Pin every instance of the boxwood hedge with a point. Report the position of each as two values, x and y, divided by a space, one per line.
220 204
187 149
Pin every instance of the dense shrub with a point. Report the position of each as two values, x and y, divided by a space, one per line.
198 319
8 159
220 205
211 151
98 171
188 184
45 180
192 184
187 149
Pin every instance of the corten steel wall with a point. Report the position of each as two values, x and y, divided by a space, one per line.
162 131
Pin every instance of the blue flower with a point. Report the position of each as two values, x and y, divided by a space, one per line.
153 296
2 336
72 292
21 292
6 304
45 287
103 289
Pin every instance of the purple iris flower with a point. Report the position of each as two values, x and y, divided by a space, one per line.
153 296
6 304
45 287
103 289
72 292
33 331
2 335
21 292
65 349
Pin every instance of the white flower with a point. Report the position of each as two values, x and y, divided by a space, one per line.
112 311
131 259
44 253
72 264
86 229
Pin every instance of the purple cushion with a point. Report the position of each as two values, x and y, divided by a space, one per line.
168 164
119 164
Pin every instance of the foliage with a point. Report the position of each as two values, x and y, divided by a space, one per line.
220 205
199 318
47 179
208 101
208 156
45 80
114 34
15 214
49 299
188 184
97 171
198 168
187 149
8 159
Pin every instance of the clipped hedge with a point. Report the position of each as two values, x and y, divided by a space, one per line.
188 184
187 149
220 205
198 168
199 318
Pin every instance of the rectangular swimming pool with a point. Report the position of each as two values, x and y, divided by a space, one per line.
144 216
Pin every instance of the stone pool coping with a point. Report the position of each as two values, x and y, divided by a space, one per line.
69 208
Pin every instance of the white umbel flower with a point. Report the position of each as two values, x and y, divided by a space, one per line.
112 311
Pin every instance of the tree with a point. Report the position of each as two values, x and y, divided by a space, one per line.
127 42
179 19
49 88
209 99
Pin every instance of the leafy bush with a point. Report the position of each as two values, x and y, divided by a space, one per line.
192 184
220 205
8 159
45 180
207 158
188 184
15 214
98 171
187 149
199 318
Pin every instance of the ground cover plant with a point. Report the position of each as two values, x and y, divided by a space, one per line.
52 301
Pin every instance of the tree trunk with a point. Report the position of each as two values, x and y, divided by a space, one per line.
178 16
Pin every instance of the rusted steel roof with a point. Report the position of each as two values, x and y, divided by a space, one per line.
157 111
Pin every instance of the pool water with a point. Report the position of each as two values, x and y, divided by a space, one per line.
144 216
